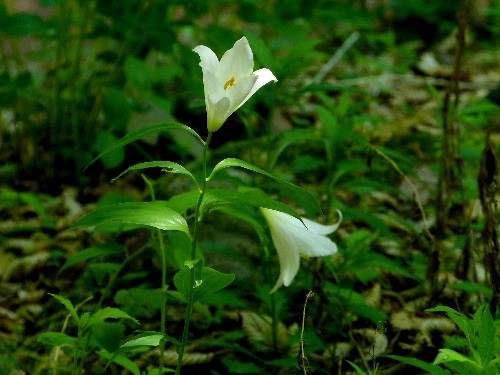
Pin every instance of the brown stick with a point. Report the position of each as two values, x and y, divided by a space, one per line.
487 180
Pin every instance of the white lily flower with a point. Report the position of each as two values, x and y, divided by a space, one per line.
292 239
230 82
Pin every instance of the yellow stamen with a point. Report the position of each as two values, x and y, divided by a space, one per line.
229 83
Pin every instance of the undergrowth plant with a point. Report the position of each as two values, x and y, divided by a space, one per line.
478 353
228 84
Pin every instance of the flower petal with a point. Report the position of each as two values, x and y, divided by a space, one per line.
264 76
292 238
208 58
239 92
213 87
316 245
320 228
217 113
236 62
286 248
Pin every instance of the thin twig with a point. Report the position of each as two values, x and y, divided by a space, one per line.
301 357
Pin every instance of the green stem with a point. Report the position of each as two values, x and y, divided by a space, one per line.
197 221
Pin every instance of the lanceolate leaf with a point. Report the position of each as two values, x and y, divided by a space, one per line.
146 130
67 303
145 339
232 162
167 166
153 214
428 367
92 252
107 313
211 281
56 339
253 197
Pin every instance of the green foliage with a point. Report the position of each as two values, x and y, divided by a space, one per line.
152 214
482 345
207 281
115 82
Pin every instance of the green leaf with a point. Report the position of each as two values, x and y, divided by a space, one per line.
154 214
428 367
215 198
485 328
107 313
56 339
122 361
67 303
492 368
108 335
232 162
167 166
357 368
460 320
182 280
145 339
146 130
211 282
449 355
92 252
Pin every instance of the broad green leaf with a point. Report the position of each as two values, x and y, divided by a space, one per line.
232 162
145 339
153 214
167 166
215 198
428 367
485 328
146 130
107 313
449 355
109 335
67 303
184 201
56 339
92 252
493 367
211 282
182 279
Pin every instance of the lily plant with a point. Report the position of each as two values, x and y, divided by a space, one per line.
228 84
